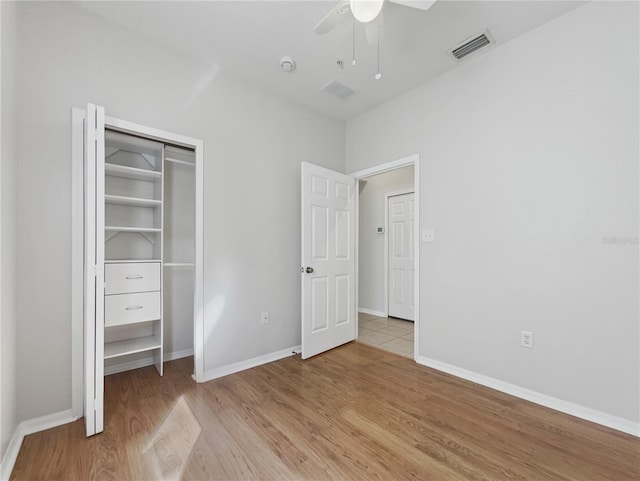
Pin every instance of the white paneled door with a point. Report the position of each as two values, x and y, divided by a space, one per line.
328 259
401 256
94 269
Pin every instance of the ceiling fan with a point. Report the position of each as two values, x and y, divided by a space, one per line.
363 11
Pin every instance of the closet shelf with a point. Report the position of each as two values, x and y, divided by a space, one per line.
125 172
129 261
131 346
132 201
179 264
113 228
181 162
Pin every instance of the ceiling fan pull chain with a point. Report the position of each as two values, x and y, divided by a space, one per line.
378 74
353 38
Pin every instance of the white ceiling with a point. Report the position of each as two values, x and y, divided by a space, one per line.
246 39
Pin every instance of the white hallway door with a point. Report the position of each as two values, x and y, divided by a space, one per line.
401 256
328 259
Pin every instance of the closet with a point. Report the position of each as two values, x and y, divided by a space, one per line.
149 251
140 252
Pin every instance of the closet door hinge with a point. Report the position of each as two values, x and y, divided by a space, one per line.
93 270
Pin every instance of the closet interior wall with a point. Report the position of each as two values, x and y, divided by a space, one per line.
179 251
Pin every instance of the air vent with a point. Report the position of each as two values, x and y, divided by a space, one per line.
339 90
472 45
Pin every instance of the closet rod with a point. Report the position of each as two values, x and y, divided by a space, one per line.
178 161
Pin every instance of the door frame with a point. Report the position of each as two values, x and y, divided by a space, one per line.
77 244
413 159
386 243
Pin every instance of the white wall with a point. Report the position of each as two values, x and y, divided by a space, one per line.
254 143
529 159
9 220
372 207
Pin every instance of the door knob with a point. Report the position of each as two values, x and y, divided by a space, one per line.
309 270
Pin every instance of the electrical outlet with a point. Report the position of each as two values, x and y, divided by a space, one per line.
265 318
526 339
428 235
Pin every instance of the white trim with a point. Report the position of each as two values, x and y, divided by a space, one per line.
372 312
386 245
249 363
198 302
27 427
566 407
10 455
413 159
145 361
386 167
77 260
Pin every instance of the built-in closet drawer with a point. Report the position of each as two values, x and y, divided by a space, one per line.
131 277
130 308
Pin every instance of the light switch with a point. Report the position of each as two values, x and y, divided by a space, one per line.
428 235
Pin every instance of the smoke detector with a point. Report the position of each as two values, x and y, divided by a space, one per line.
287 64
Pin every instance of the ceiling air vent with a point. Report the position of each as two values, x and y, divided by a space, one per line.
472 45
339 90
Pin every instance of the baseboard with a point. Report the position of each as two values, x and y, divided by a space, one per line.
145 361
29 427
249 363
566 407
372 312
172 356
10 455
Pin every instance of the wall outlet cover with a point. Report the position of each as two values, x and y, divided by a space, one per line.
428 235
526 339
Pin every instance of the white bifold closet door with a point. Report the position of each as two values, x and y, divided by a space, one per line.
94 269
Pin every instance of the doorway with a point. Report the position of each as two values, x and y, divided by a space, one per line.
388 256
175 147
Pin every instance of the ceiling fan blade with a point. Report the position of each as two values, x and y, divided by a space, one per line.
333 18
419 4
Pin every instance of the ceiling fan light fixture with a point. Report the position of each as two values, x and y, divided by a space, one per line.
365 11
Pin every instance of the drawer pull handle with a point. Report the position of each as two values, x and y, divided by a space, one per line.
133 308
135 277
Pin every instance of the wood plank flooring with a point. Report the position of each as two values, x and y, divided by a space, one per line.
356 412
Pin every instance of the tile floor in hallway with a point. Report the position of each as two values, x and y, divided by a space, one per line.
394 335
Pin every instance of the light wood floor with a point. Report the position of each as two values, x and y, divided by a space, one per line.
356 412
